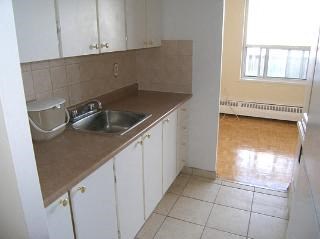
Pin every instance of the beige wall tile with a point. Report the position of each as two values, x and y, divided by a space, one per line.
58 77
167 68
78 92
25 67
72 60
170 47
73 73
41 80
56 62
39 65
87 71
43 95
28 85
185 47
63 93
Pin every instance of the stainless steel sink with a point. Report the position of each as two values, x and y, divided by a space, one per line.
110 122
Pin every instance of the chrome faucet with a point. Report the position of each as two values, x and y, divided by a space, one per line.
91 104
85 109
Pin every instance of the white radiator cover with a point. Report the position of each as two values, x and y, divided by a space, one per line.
261 110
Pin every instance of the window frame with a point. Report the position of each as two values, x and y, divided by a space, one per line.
266 78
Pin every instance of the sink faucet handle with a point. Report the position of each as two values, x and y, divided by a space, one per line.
99 105
91 106
74 113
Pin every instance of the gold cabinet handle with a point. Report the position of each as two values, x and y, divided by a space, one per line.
64 202
82 189
94 46
146 136
106 45
140 142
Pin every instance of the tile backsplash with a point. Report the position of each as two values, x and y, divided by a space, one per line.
80 78
166 68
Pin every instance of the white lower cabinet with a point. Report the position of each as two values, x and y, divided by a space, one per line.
129 187
169 150
182 136
94 205
59 219
115 200
152 168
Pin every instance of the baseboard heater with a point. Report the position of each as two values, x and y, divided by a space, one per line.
261 110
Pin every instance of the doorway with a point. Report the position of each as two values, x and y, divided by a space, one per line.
266 50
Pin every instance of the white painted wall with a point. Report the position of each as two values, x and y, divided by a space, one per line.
22 213
202 22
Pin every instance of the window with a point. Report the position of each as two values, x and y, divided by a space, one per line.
278 37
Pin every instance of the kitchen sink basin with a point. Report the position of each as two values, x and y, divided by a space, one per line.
110 122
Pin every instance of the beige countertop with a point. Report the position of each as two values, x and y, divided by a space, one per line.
67 159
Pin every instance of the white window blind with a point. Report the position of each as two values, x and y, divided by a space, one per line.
278 38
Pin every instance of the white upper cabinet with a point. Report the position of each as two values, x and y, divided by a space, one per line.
143 19
78 27
36 29
136 23
169 135
152 167
94 205
129 185
112 25
154 30
59 219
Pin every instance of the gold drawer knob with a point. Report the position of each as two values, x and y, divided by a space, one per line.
147 136
82 189
64 202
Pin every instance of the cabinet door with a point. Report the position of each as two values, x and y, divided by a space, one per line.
79 30
59 219
129 186
112 25
182 136
169 135
36 29
136 23
152 167
154 29
94 205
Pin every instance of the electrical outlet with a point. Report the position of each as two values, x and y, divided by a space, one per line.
115 69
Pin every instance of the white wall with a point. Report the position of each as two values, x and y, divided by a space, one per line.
202 22
22 214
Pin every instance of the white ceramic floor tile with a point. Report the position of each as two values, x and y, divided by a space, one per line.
234 197
179 184
201 188
229 219
238 185
151 226
270 205
267 227
177 229
191 210
166 203
271 192
210 233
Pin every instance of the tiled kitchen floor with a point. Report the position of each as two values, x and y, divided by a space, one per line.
257 151
201 208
